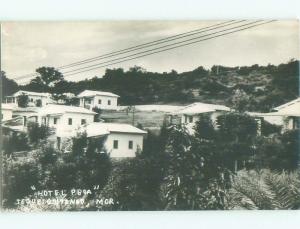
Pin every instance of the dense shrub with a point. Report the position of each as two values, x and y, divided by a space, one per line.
15 142
23 100
37 132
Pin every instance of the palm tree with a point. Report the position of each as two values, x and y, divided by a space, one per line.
265 190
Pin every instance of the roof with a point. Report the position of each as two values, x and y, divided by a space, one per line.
258 114
89 93
198 108
52 109
291 103
32 93
100 129
26 109
291 108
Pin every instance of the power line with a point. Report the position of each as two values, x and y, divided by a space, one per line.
100 65
141 46
166 49
152 43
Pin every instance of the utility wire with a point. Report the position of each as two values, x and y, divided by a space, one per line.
182 43
148 44
99 65
153 43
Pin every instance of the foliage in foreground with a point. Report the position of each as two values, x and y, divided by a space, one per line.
265 190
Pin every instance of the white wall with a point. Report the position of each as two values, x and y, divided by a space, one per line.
123 143
62 127
190 125
34 98
6 114
104 102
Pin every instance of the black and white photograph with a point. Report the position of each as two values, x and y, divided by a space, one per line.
150 115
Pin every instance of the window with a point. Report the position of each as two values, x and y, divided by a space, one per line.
191 119
130 144
108 102
99 101
116 144
70 121
55 121
31 100
185 119
83 121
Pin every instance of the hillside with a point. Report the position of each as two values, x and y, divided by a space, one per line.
252 88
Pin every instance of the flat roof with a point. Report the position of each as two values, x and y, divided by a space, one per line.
51 109
100 129
90 93
198 108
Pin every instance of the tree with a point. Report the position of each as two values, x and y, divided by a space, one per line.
237 135
23 100
37 132
265 190
38 103
97 117
47 79
8 86
15 143
204 128
195 179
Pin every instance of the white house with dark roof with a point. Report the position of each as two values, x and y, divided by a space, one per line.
34 98
190 114
100 99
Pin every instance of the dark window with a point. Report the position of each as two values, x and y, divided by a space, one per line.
99 101
116 144
130 145
70 121
55 121
108 102
191 119
185 119
31 100
83 121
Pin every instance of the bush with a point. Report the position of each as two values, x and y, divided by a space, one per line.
15 142
37 132
19 177
38 103
23 100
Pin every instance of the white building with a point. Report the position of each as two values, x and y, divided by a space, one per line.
120 140
100 99
34 98
286 115
64 119
6 111
190 114
291 114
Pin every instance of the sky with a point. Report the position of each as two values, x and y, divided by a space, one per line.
29 45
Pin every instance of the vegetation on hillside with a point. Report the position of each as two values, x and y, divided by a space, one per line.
252 88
